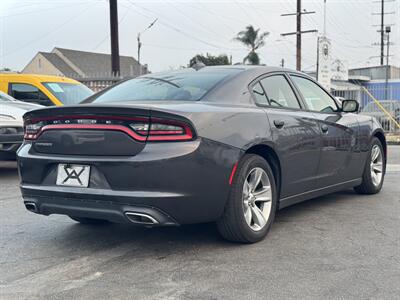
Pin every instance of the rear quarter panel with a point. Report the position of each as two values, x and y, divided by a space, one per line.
239 126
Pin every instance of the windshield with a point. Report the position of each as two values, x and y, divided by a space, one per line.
68 93
184 85
5 97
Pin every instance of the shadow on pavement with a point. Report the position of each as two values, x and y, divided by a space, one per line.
174 239
8 168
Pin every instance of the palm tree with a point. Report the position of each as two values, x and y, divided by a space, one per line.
253 40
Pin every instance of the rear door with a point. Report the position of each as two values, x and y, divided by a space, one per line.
339 130
295 132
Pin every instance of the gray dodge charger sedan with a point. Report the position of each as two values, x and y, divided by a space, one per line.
227 144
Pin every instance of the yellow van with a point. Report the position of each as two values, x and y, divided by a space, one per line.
43 89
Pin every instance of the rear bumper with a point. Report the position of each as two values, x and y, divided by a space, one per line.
9 144
11 138
105 210
174 183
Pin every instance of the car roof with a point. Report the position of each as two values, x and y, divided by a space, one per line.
248 69
35 78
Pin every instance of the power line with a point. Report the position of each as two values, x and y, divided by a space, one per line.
220 16
42 10
176 29
55 29
198 24
179 48
108 35
243 9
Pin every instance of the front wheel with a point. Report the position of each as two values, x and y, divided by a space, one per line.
251 206
374 171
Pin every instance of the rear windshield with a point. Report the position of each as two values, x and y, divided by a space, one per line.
185 86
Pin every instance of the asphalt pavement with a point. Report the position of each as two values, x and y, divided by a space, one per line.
340 246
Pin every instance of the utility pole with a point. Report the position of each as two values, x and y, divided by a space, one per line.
324 18
115 66
382 32
298 36
139 43
388 29
382 25
298 32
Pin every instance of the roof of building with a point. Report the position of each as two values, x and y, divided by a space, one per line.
60 64
95 64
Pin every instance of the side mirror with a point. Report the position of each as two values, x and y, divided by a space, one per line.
350 106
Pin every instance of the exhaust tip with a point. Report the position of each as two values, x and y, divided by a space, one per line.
31 207
139 218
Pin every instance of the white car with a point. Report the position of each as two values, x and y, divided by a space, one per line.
11 124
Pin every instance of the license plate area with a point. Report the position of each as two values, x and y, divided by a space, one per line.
73 175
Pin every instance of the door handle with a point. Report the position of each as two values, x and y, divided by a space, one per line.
279 123
324 128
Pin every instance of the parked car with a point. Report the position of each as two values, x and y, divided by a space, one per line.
391 106
44 90
226 144
11 125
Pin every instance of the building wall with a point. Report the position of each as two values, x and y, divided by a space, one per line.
40 65
376 73
378 89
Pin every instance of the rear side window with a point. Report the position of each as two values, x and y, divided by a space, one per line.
259 94
185 86
29 93
279 92
316 98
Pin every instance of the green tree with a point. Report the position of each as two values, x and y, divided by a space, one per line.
253 40
210 60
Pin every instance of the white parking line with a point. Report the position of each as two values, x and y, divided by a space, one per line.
392 168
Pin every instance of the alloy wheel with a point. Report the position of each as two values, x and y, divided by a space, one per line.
376 165
257 199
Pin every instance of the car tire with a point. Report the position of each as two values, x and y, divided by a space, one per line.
234 225
89 221
369 184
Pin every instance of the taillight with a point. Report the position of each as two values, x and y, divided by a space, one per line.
140 128
32 130
169 130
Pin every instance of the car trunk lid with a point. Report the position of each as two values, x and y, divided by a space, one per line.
102 130
84 130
